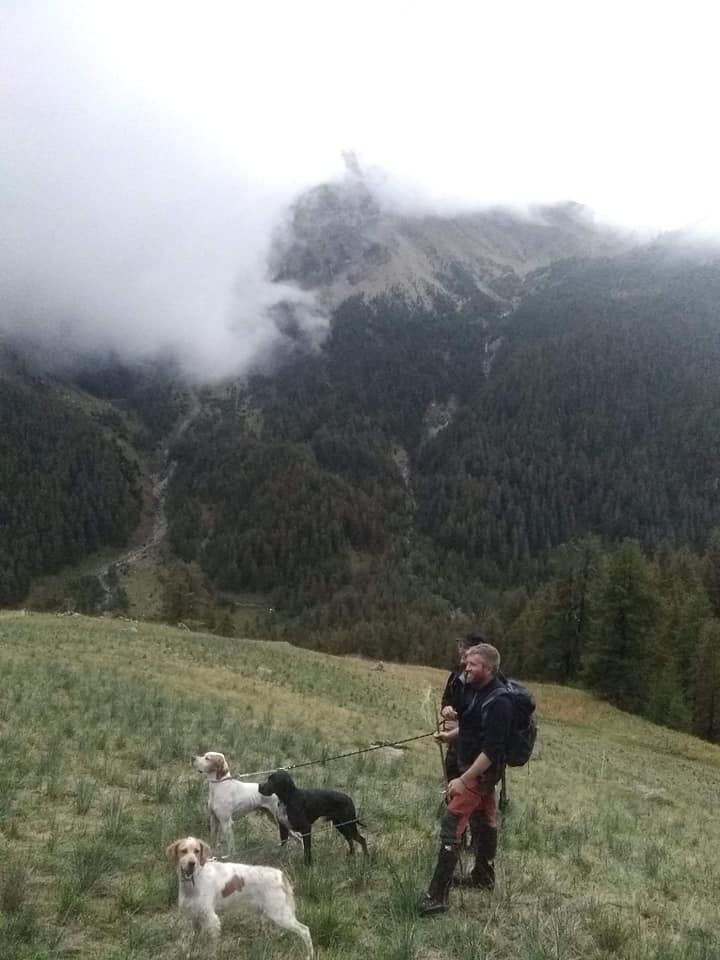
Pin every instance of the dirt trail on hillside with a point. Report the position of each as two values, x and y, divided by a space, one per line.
159 484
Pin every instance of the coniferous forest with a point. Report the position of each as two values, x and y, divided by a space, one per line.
66 486
550 473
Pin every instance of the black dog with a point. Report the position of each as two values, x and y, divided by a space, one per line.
304 807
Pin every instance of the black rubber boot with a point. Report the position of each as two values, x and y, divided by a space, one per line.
482 876
436 899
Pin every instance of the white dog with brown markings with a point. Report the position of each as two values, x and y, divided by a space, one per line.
207 887
228 798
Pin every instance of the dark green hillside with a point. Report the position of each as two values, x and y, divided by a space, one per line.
66 486
602 414
152 392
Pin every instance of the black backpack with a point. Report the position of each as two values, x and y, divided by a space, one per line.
523 729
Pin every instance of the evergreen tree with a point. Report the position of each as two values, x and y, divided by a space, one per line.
620 663
712 570
568 615
706 715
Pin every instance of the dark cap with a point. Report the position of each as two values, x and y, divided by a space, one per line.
471 640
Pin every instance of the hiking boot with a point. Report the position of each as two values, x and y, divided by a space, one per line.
436 899
482 876
482 880
428 906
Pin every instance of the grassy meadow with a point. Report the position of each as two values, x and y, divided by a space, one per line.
610 847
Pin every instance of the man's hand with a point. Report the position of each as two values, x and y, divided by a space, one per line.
442 736
454 787
448 713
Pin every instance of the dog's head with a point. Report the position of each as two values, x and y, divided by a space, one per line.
280 783
213 764
188 854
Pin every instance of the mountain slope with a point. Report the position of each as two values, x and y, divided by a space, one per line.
476 403
606 850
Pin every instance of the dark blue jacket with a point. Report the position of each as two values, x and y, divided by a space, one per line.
483 731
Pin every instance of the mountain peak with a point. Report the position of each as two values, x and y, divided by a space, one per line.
340 239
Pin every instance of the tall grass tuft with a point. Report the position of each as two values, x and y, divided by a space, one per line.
331 928
163 787
84 794
14 882
611 931
115 818
400 943
90 861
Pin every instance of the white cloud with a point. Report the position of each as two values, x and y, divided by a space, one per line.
150 147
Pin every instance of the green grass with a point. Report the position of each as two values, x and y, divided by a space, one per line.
608 850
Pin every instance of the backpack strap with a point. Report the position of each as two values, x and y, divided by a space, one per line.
493 697
504 800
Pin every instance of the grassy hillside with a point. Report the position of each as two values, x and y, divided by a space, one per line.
609 850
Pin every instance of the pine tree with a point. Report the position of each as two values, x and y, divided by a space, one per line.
712 570
620 661
568 612
706 715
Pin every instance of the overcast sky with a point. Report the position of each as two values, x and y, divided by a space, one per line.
149 147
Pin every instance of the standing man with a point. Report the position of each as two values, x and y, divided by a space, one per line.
481 737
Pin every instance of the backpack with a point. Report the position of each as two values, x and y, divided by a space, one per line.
523 729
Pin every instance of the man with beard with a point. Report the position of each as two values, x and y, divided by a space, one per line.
484 718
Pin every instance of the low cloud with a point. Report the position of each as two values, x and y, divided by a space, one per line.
121 233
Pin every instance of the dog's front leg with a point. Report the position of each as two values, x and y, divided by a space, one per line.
228 837
211 925
284 833
307 847
206 928
188 939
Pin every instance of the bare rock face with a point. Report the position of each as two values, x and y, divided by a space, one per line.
340 240
331 227
438 416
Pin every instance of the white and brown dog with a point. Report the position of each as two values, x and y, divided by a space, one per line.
207 887
228 798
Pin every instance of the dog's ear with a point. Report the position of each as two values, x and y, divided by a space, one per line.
204 853
218 766
172 851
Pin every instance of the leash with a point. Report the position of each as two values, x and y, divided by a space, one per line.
504 799
439 743
332 826
337 756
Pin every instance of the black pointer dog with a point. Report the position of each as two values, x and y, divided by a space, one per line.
304 807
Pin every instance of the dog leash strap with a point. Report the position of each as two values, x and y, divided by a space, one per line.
338 756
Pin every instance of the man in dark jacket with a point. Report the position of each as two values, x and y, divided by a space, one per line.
484 720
